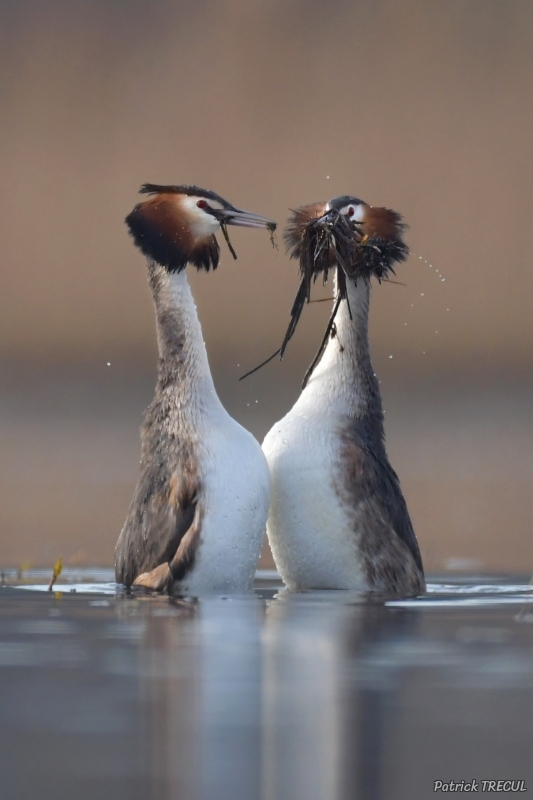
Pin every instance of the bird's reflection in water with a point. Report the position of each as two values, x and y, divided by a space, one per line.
275 700
371 687
328 700
202 685
301 699
170 688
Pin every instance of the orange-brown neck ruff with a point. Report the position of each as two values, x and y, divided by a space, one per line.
383 222
297 223
159 229
369 247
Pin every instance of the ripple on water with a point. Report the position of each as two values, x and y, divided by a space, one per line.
465 591
461 595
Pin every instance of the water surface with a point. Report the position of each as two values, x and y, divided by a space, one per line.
274 696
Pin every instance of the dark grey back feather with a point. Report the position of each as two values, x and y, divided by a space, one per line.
388 541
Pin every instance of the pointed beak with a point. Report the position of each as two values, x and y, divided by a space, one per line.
329 216
245 219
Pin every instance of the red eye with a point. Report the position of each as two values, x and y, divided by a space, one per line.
351 211
201 204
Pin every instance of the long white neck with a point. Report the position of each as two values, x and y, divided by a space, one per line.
344 379
183 363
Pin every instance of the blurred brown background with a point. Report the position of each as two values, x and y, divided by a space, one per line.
423 107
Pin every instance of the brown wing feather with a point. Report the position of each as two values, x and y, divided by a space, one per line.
163 525
162 577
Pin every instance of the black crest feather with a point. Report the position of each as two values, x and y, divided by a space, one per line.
187 189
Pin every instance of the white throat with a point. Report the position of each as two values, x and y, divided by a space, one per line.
336 379
201 223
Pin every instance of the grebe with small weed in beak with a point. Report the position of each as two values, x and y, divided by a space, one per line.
198 515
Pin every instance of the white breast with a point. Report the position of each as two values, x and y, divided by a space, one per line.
236 491
313 531
235 483
310 531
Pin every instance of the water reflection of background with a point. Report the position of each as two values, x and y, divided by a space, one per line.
424 108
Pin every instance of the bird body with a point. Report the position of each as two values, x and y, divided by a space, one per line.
338 519
198 515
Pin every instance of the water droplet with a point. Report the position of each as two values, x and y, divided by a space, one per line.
391 356
443 279
109 363
421 294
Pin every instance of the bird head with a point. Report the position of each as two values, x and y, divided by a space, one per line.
177 225
345 232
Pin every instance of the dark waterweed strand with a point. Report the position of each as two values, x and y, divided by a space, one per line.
224 229
330 333
272 229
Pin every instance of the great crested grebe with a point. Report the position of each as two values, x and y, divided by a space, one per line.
338 519
198 515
